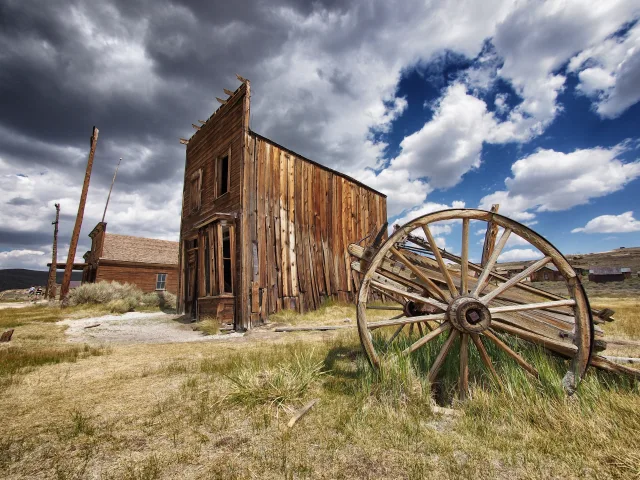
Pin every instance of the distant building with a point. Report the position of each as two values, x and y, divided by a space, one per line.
512 268
608 274
150 264
548 273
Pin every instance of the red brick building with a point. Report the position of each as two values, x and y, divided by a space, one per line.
150 264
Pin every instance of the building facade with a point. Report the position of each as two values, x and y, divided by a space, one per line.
263 228
150 264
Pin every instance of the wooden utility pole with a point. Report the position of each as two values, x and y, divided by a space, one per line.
51 284
109 196
64 289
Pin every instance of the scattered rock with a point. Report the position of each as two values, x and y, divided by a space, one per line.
6 336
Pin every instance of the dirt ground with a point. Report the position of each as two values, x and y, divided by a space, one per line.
146 328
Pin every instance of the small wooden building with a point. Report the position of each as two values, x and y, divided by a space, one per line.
150 264
263 228
608 274
548 273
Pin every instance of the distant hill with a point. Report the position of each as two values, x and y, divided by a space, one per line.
620 257
15 278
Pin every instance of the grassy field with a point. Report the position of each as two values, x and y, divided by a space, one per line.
220 410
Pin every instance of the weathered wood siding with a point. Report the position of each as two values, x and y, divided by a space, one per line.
302 219
143 276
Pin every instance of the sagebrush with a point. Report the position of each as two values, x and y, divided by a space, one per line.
120 297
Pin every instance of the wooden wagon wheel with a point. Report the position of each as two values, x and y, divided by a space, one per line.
441 293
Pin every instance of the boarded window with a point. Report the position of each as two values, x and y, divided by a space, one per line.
223 175
161 281
195 191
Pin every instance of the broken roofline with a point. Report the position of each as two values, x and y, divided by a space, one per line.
234 98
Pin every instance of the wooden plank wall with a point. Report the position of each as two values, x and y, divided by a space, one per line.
304 218
142 276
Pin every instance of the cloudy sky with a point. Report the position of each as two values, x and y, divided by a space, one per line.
533 105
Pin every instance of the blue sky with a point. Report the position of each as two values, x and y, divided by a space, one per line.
577 126
531 104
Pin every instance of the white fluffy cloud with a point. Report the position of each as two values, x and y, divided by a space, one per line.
449 145
550 181
611 224
609 73
426 208
519 254
22 259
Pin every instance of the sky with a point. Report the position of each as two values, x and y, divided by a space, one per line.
533 105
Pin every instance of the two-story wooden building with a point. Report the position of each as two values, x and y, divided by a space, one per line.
264 228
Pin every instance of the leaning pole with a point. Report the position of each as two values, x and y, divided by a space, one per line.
64 289
51 283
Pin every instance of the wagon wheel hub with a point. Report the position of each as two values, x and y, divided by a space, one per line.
468 315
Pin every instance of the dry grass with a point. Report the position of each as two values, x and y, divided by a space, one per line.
219 410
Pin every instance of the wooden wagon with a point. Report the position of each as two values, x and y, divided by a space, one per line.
442 294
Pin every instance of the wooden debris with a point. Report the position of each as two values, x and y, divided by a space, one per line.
6 336
622 359
302 412
313 328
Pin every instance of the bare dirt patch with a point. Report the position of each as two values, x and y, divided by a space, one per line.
136 327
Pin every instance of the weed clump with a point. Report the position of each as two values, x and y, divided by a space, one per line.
105 292
275 386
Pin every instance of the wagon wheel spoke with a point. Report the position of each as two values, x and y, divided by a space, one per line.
463 381
395 334
439 361
411 295
486 272
431 287
428 337
403 320
504 347
464 258
396 320
518 307
515 280
441 264
484 356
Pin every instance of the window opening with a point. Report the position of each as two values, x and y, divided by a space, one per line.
161 281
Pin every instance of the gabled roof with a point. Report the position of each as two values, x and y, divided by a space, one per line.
125 248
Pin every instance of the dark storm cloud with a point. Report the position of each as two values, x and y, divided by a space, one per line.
18 201
50 76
